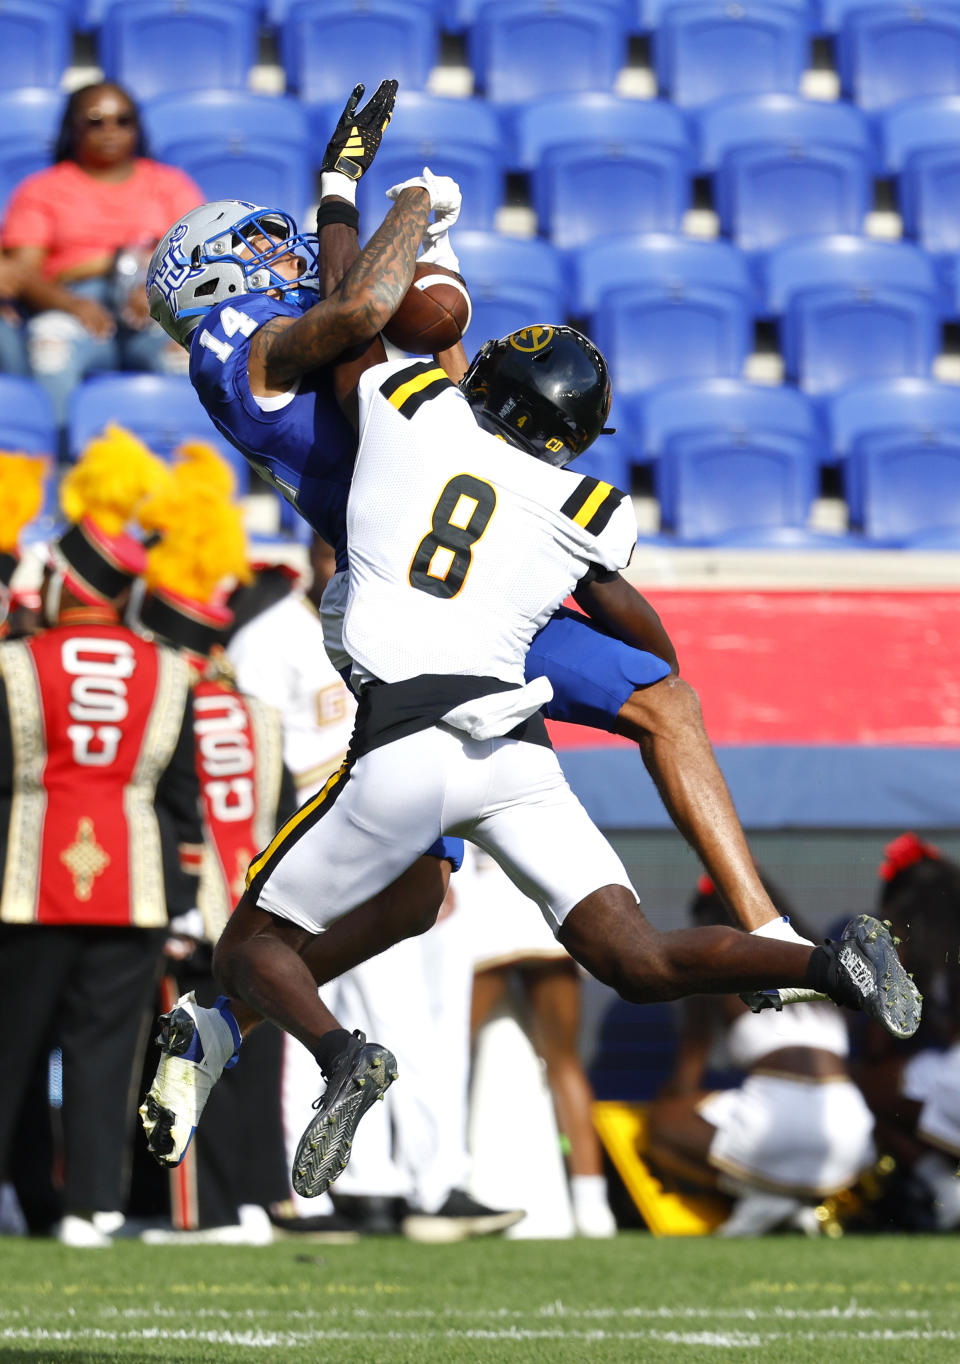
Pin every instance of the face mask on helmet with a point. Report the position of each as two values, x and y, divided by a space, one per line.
544 389
258 243
223 250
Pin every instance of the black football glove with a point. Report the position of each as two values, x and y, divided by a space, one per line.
357 135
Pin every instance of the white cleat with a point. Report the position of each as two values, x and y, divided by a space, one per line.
197 1044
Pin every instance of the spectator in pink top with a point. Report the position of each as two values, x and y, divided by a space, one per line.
81 233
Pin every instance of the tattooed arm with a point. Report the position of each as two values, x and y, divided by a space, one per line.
365 300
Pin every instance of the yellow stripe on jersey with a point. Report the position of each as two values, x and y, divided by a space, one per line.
414 385
285 834
583 516
592 503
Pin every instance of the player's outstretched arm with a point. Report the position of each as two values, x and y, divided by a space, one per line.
368 296
348 156
625 613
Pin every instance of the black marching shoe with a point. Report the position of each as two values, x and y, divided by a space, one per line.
460 1217
361 1075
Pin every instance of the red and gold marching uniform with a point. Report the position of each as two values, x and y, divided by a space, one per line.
238 747
95 718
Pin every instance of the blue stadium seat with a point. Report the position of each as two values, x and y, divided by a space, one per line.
521 50
35 42
853 309
512 281
908 487
730 409
921 142
602 166
710 486
706 49
162 409
939 538
27 422
897 51
328 45
665 307
29 122
277 10
868 413
459 15
651 11
918 125
918 408
767 194
236 145
458 137
786 167
609 458
89 14
786 120
157 47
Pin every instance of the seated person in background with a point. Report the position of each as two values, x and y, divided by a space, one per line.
80 233
914 1089
796 1129
13 358
511 942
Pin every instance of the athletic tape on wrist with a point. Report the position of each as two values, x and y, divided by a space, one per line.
335 182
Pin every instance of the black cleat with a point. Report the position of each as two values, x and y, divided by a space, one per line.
363 1074
864 972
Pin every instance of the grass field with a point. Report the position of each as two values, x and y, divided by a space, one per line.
391 1302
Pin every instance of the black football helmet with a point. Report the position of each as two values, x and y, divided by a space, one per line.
544 389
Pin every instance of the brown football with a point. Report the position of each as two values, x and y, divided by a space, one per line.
433 314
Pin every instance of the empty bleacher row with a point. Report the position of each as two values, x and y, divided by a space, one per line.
517 49
779 166
733 463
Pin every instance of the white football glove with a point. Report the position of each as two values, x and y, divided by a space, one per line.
445 200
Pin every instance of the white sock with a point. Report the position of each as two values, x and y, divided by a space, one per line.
588 1191
591 1210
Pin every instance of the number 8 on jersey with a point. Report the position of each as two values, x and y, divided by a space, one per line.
443 558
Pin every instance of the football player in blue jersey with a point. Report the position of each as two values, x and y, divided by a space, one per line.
279 325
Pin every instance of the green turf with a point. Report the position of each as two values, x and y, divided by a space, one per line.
387 1301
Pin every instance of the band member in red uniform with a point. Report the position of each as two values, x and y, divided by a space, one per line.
97 793
236 1167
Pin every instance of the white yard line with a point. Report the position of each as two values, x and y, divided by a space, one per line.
262 1340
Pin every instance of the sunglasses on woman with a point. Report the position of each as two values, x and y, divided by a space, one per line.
98 120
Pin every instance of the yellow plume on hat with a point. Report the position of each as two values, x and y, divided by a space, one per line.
112 480
202 536
21 495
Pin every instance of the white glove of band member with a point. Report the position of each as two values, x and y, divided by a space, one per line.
445 200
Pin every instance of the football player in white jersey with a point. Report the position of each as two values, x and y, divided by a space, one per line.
465 536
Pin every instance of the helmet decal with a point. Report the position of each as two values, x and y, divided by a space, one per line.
531 338
172 268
